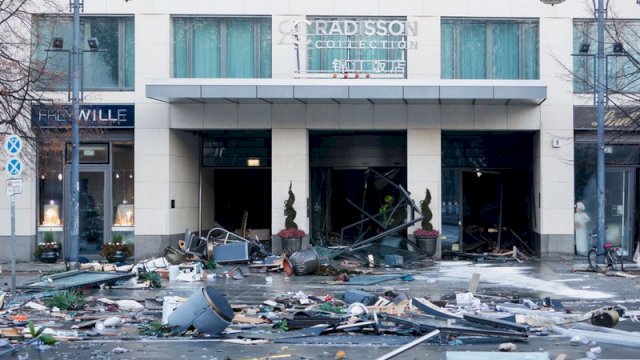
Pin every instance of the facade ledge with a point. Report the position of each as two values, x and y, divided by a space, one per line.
347 91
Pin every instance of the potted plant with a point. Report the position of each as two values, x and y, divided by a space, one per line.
117 250
49 250
291 236
426 236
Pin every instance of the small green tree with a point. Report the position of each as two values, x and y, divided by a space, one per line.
289 211
426 212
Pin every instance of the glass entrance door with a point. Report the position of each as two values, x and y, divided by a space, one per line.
619 187
93 211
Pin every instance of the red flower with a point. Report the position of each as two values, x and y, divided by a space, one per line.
291 233
426 233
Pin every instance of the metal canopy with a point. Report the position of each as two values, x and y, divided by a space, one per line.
347 91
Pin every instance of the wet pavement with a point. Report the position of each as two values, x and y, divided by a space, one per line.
499 282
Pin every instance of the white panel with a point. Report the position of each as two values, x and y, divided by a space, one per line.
356 116
424 116
254 116
457 117
151 168
152 221
490 117
523 117
187 116
152 195
220 116
390 116
288 116
323 116
152 141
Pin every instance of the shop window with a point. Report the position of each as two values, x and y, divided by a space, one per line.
89 153
621 73
122 186
221 47
111 67
363 46
489 49
50 204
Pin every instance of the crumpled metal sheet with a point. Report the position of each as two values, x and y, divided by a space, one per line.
76 278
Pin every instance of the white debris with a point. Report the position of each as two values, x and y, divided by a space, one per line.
113 321
507 347
36 306
129 305
119 350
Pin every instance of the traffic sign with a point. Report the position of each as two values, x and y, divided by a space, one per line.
13 145
14 186
14 167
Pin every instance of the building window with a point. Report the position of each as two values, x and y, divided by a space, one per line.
489 49
50 188
111 67
360 46
221 47
621 67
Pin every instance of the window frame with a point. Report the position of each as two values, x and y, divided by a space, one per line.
223 43
488 23
121 56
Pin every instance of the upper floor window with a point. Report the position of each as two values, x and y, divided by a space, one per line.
620 47
110 66
221 47
489 49
364 46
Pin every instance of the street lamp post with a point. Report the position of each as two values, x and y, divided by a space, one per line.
76 54
600 102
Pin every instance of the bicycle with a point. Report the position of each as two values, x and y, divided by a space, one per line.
612 255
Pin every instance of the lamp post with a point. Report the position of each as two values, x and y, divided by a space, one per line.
600 83
76 54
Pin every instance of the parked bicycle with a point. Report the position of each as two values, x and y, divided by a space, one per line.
612 255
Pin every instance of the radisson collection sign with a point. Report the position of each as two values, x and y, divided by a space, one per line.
354 34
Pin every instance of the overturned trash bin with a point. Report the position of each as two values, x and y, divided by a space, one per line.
206 310
305 262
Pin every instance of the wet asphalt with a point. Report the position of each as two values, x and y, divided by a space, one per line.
500 281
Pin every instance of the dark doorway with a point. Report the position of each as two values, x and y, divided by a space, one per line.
487 186
242 190
495 212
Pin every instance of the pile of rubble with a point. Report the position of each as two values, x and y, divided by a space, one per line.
403 320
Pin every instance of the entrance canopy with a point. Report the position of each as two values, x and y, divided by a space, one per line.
341 91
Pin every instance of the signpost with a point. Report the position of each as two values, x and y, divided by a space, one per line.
13 146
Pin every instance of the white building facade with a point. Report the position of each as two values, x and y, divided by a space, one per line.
215 108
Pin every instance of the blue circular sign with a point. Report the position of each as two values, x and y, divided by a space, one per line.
14 167
13 145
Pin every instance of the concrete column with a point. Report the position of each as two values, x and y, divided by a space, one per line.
424 164
289 164
553 164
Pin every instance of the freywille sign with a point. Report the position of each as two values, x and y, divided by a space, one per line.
359 35
584 118
108 115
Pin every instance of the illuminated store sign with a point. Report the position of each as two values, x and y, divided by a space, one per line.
52 116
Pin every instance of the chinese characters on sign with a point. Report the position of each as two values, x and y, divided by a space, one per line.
363 44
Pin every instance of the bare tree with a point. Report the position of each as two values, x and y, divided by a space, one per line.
19 74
